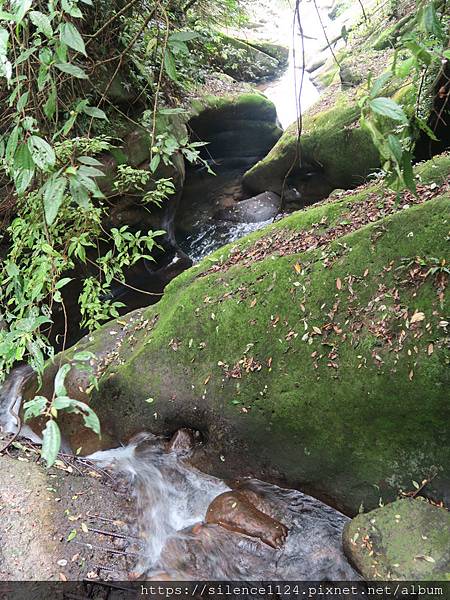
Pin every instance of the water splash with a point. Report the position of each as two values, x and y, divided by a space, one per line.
169 495
172 499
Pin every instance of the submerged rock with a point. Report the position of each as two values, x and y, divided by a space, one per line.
408 540
253 210
312 549
298 352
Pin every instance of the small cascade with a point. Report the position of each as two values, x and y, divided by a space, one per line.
172 500
195 526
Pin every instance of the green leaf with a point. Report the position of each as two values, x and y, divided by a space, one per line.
23 6
170 66
387 108
53 198
419 52
71 8
62 282
62 402
41 22
72 535
95 112
84 355
60 389
22 102
447 54
70 36
154 164
24 168
430 21
91 420
71 70
42 153
90 161
51 442
34 407
183 36
6 16
79 193
395 147
86 171
50 105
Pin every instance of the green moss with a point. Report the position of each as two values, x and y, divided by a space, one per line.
294 375
248 106
276 51
389 35
408 539
332 145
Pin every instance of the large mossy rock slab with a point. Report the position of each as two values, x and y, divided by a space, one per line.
249 60
313 351
335 152
242 126
407 540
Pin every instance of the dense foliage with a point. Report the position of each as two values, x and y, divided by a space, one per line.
58 61
420 63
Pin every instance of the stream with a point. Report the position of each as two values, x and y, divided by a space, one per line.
194 526
173 501
201 225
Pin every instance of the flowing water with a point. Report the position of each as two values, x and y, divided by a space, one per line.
201 228
172 499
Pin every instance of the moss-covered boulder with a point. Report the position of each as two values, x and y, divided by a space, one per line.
248 60
312 352
406 540
236 126
334 153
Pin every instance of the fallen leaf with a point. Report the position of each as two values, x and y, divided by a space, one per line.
84 527
72 535
298 267
430 349
417 316
338 284
62 577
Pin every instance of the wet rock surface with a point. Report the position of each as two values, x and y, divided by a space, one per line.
196 526
312 550
263 207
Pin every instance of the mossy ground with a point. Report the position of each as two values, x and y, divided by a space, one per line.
408 539
312 361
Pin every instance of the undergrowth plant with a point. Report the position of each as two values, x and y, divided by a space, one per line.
52 165
420 61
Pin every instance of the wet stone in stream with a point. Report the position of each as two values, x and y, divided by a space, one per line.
198 528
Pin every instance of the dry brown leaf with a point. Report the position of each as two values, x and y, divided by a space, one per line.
417 316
